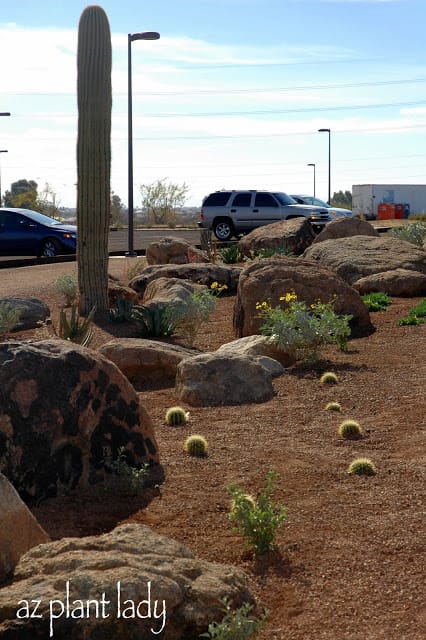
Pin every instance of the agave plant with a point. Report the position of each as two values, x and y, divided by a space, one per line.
76 329
153 321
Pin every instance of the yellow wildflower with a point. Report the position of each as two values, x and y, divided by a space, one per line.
214 285
289 296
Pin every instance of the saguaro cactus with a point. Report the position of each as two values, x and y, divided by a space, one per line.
94 61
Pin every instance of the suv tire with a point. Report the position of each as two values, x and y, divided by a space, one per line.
223 228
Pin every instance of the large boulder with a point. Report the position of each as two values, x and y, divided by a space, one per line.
270 279
31 312
64 411
359 256
214 379
146 361
173 251
398 282
130 583
19 530
346 228
295 235
197 273
163 291
257 347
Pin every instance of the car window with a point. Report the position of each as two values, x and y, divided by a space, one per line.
9 220
242 200
218 199
283 198
265 200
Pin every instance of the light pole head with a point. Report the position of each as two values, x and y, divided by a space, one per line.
144 35
310 164
323 130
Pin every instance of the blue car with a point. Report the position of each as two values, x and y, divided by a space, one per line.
29 233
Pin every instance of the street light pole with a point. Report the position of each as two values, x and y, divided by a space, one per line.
312 164
1 151
145 35
329 160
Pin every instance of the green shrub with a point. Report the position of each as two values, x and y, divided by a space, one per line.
153 322
270 253
235 625
377 301
196 445
122 312
231 254
302 331
75 329
176 416
9 317
257 523
131 480
362 467
416 315
329 378
350 429
190 315
333 406
414 232
136 267
67 287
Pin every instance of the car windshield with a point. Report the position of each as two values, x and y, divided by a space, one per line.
283 198
320 203
39 217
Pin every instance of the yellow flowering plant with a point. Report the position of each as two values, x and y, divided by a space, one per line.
302 330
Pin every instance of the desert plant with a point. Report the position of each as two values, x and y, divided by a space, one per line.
377 301
251 502
350 429
94 97
362 467
416 315
135 268
231 254
122 312
414 232
189 315
333 406
131 479
153 322
329 378
67 287
259 523
303 330
9 317
235 625
176 416
271 252
75 329
196 445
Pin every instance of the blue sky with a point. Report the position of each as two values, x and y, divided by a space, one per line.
231 96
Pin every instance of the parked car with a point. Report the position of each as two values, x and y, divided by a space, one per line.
336 212
29 233
232 213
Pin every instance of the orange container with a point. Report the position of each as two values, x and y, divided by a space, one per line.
399 211
386 211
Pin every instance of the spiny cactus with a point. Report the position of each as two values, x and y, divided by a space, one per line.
176 416
94 96
362 467
329 378
350 429
333 406
196 445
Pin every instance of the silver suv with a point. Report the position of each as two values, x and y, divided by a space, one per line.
232 213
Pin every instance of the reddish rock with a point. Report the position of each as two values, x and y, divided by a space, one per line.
295 235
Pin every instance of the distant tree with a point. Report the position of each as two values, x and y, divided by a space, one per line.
48 203
117 210
161 199
22 194
342 199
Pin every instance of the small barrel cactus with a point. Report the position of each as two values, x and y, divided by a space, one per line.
350 429
329 378
362 467
333 406
196 445
176 416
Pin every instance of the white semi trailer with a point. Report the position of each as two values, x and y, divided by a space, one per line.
367 197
